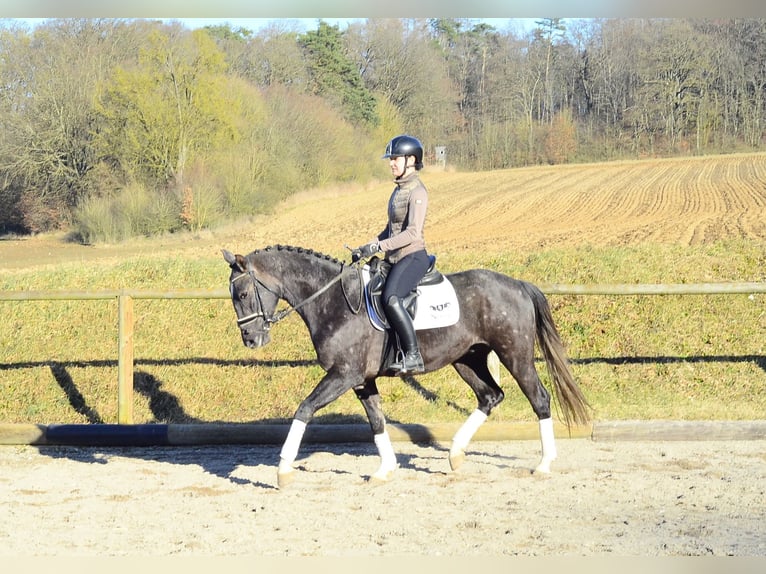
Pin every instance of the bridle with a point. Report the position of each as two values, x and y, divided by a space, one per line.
259 313
277 317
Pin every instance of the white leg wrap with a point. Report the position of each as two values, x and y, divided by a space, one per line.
387 456
385 449
465 433
548 443
292 444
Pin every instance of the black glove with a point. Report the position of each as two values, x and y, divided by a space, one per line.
364 251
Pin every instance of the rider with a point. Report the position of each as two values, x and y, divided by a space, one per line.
404 245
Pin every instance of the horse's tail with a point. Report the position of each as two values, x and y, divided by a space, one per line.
567 392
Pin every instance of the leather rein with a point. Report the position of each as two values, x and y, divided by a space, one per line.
277 317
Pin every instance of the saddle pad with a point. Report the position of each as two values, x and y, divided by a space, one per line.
437 305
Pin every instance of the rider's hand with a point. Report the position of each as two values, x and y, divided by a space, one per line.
365 251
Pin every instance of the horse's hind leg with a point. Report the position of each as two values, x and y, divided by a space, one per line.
473 368
370 398
525 373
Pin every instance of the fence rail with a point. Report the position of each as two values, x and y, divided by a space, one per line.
126 297
658 289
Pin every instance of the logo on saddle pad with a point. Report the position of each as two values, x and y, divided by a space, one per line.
433 304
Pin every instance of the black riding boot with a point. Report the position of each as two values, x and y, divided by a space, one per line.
412 361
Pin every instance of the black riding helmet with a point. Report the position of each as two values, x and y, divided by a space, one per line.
405 145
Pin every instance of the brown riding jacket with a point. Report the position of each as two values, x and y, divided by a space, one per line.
407 209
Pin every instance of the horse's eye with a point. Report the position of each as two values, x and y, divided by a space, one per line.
243 295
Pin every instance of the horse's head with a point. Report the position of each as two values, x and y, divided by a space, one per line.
254 301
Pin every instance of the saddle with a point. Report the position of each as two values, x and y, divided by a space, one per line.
378 270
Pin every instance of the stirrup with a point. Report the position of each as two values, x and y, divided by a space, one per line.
411 362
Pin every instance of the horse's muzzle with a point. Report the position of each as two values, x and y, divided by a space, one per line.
255 339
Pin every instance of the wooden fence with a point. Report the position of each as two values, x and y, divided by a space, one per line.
127 297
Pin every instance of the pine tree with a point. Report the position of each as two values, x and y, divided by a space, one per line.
334 76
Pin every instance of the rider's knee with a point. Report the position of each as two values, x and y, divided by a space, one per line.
392 301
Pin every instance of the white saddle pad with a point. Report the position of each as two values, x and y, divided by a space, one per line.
437 305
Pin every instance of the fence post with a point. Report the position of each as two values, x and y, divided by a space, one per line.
125 360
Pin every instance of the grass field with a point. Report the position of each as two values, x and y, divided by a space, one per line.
636 357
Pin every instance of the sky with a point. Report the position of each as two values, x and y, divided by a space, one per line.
305 24
311 23
330 9
503 15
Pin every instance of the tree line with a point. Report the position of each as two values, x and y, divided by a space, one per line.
114 128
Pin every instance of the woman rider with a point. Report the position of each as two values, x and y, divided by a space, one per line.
404 245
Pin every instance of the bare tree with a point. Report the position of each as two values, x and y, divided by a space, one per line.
51 77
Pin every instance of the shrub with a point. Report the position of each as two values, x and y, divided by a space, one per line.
133 211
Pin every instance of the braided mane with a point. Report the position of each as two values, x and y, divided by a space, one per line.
291 248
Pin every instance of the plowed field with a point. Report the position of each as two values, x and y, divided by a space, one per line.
687 201
682 201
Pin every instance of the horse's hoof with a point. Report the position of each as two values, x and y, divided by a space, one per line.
543 468
377 479
383 476
456 459
285 478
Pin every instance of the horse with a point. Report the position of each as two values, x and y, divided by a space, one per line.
497 313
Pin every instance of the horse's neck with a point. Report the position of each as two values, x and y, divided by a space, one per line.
303 275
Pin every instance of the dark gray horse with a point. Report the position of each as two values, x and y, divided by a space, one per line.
497 313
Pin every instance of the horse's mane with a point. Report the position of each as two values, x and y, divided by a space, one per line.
292 248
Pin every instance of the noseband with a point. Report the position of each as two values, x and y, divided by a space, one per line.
259 313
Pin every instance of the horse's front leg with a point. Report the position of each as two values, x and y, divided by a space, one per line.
285 472
370 399
332 386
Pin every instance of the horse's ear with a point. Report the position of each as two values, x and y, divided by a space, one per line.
228 256
234 260
241 263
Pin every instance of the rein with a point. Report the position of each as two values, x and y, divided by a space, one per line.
277 317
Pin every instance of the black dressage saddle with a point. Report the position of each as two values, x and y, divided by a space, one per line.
379 269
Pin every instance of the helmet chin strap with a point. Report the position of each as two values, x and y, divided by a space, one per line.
407 167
